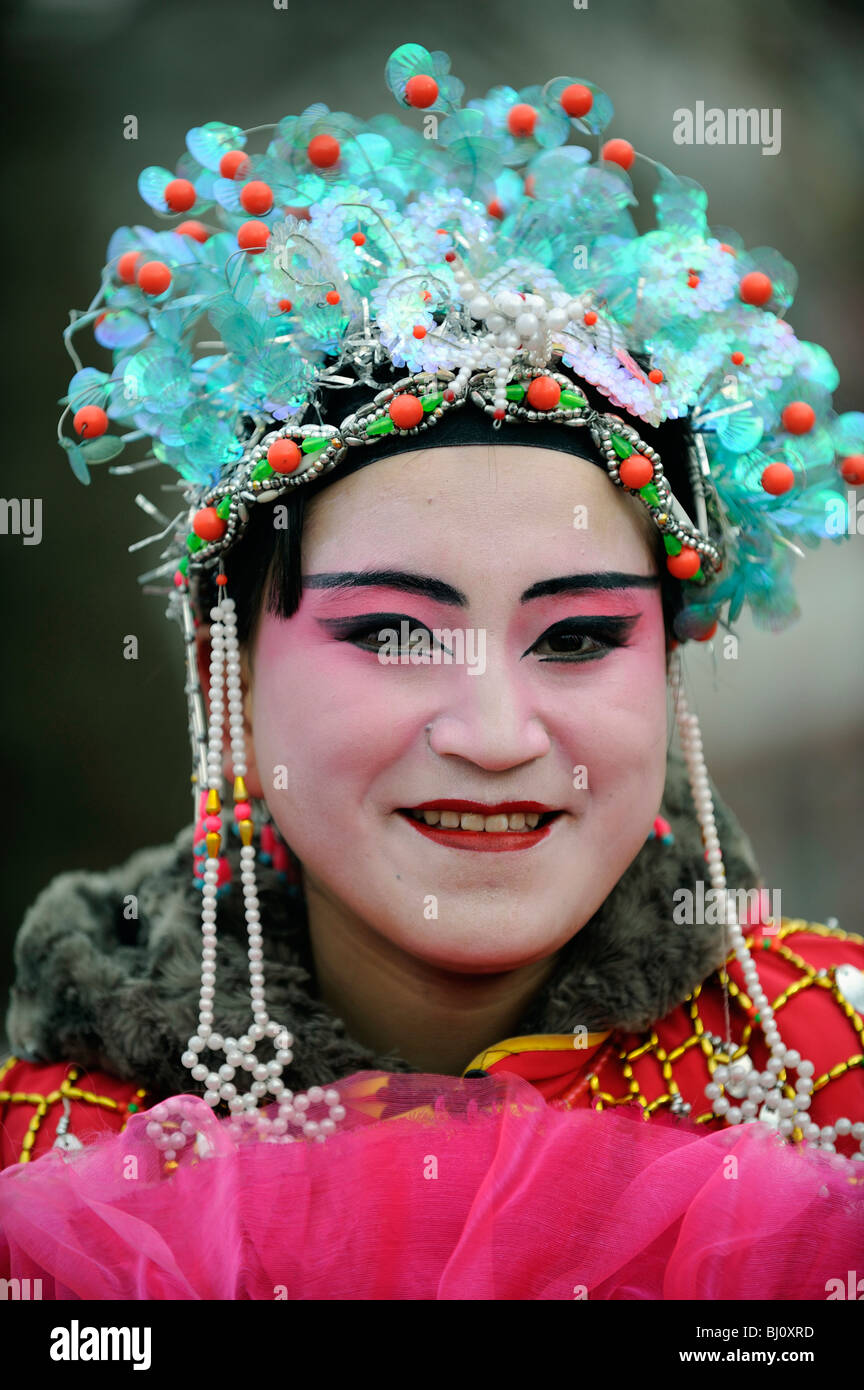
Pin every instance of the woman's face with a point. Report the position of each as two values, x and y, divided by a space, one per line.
544 576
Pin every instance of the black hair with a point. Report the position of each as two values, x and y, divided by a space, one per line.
264 569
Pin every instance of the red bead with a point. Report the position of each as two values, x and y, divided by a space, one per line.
221 579
636 471
253 237
285 305
154 277
528 186
301 213
234 164
590 318
358 238
655 375
284 455
450 256
257 197
755 288
798 417
498 414
90 420
426 296
405 411
419 331
180 195
127 264
692 281
521 119
323 151
213 823
685 564
421 90
196 230
777 478
738 359
576 99
242 810
332 296
706 636
495 209
730 250
852 469
208 524
449 394
618 152
544 393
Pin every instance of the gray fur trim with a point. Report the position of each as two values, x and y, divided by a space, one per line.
121 995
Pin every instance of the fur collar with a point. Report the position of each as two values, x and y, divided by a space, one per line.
121 995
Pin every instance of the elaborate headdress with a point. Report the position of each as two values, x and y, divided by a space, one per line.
494 261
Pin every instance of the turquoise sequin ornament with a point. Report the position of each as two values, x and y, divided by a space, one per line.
481 243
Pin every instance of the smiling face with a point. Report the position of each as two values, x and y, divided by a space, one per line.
554 696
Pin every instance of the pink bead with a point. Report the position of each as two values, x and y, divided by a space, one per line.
280 859
224 875
268 839
213 823
661 827
243 811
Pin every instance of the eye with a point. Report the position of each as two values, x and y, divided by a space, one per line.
583 639
366 633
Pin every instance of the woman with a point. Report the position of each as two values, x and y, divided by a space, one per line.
462 649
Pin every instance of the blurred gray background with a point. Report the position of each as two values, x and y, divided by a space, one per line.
95 750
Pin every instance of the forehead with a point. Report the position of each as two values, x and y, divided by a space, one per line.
500 505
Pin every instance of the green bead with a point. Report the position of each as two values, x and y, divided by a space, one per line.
183 566
570 400
431 402
261 470
621 446
672 544
697 576
383 426
650 493
193 542
224 508
312 444
131 1107
515 392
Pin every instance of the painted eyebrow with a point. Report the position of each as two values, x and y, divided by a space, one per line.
436 589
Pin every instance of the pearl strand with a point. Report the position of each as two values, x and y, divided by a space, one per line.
763 1090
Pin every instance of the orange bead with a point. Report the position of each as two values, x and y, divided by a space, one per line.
323 151
332 297
577 99
284 455
421 90
730 250
521 119
286 306
405 411
180 195
685 564
655 375
618 152
208 524
755 288
358 238
257 197
589 318
196 230
127 264
426 296
852 469
544 393
798 417
777 478
234 164
495 209
419 331
636 471
91 421
738 359
528 186
253 237
693 281
221 579
153 277
300 212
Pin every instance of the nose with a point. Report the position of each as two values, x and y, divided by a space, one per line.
492 724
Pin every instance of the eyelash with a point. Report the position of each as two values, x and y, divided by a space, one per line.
607 632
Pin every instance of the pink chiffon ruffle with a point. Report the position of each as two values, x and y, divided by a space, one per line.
439 1188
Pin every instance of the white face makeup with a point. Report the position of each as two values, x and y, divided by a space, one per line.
567 714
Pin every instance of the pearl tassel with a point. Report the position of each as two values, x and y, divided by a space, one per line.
240 1053
763 1090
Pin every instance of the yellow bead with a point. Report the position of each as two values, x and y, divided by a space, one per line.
213 803
240 792
247 829
214 840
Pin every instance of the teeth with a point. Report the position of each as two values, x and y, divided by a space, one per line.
471 820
